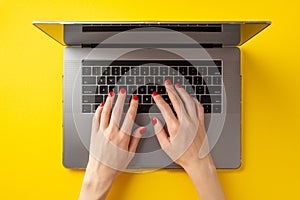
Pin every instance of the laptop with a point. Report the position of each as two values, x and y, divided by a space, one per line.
204 57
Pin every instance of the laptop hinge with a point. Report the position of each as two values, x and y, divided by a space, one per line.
203 45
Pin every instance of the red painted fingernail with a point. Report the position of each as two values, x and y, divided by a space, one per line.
111 93
102 104
142 130
178 85
168 82
122 90
154 93
154 121
135 97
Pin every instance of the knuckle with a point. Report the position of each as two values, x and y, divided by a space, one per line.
131 113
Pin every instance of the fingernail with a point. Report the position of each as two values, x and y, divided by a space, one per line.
135 97
154 121
154 93
178 85
122 90
102 104
111 93
142 130
168 82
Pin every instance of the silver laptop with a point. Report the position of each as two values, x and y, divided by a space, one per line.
139 56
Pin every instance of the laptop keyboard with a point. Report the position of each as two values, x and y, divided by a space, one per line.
203 81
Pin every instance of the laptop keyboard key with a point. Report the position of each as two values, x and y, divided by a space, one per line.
88 80
189 79
190 89
163 71
159 80
132 89
216 98
115 71
96 71
89 90
199 89
92 98
113 88
86 71
205 99
101 80
178 79
134 70
213 90
144 71
140 80
183 70
207 80
161 89
192 70
125 70
197 80
151 88
153 70
129 80
217 80
202 70
173 71
207 108
166 98
103 89
214 71
149 80
86 108
111 80
142 90
216 108
106 71
147 99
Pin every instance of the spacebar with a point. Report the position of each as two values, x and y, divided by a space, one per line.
151 108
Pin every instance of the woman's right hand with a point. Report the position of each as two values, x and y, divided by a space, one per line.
187 134
187 143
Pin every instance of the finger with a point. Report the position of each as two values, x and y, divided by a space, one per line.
160 133
175 99
187 99
96 118
165 109
105 116
118 109
130 117
200 111
135 138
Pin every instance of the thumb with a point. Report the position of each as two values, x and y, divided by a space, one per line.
160 133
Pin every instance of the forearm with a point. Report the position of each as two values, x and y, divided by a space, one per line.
204 176
95 186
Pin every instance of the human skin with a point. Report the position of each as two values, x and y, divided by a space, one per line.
99 177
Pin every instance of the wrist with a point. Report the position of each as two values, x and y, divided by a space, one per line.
96 183
204 165
97 173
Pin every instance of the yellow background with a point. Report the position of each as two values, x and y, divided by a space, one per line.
31 94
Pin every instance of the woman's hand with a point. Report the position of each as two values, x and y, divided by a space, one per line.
186 142
112 146
187 134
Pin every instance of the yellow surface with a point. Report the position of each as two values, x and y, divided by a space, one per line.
31 95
